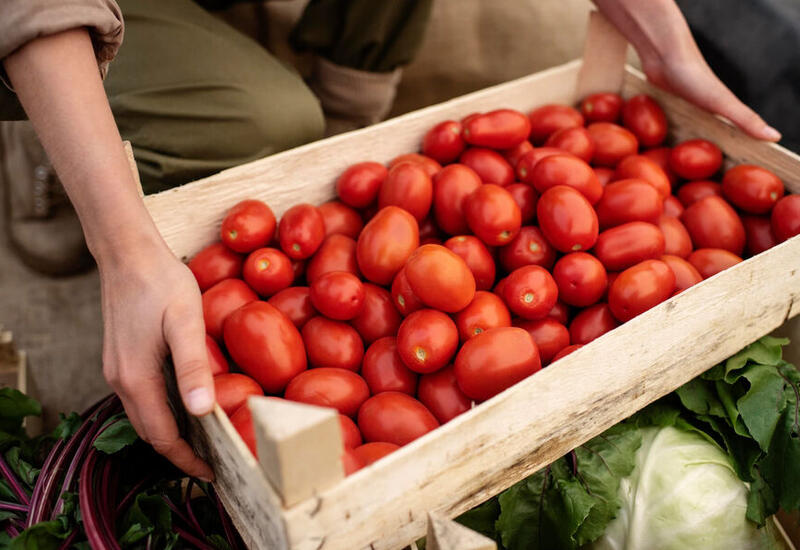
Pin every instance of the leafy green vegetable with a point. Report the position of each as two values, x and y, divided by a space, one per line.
45 535
482 518
116 437
68 425
14 407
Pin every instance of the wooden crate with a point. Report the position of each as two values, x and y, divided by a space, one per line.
289 502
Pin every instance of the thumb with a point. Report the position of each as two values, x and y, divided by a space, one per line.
184 332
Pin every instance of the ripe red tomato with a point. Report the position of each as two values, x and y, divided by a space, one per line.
686 274
695 159
639 288
451 187
265 345
242 421
338 295
409 187
752 188
295 303
560 311
645 118
550 336
576 141
403 297
336 253
591 323
267 271
250 224
758 234
604 174
351 462
221 300
548 119
639 166
492 214
629 201
785 218
394 417
529 160
526 198
567 170
477 257
378 317
443 143
712 223
385 244
215 263
661 155
677 241
602 107
693 191
332 344
500 129
340 219
566 351
340 389
490 165
351 436
372 452
385 371
529 247
232 390
710 261
612 143
485 311
301 231
431 166
495 360
440 278
628 244
581 278
439 392
429 231
216 359
673 207
427 340
567 219
530 292
513 154
358 185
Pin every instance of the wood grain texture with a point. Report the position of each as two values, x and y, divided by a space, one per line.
446 534
604 54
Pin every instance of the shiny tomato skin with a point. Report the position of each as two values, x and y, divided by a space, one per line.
713 223
477 257
581 279
492 214
560 311
525 197
695 159
693 191
221 300
677 241
394 417
548 119
430 166
443 143
215 263
628 244
339 389
550 336
661 155
604 174
752 188
440 278
591 323
372 452
378 317
612 143
451 187
686 274
427 340
639 166
487 310
332 344
785 218
408 186
567 170
629 200
295 303
351 462
567 219
265 345
758 234
602 107
340 219
336 253
385 244
490 165
673 207
645 118
232 390
513 154
242 420
529 247
640 288
530 292
528 161
358 186
267 271
250 224
403 297
338 295
385 371
216 359
499 129
576 141
566 351
301 231
351 436
495 360
710 261
439 392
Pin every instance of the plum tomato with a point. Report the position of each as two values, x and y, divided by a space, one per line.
548 119
605 175
385 244
692 191
394 417
785 218
332 344
567 170
640 288
560 311
295 303
403 297
612 143
661 155
581 279
336 253
216 359
351 462
338 295
513 154
339 389
485 311
499 129
628 244
758 234
232 390
477 257
372 452
439 392
385 371
443 143
408 186
451 187
566 351
301 231
567 219
378 317
215 263
427 340
440 278
695 159
639 166
351 436
492 214
250 224
221 300
576 141
677 241
525 197
673 207
710 261
550 336
490 165
529 247
591 323
752 188
530 292
601 107
358 186
495 360
645 118
340 219
713 223
267 271
242 421
431 166
686 274
529 160
629 200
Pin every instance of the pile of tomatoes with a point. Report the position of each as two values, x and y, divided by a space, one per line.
442 279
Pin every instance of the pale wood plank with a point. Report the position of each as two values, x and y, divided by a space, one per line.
604 54
132 163
446 534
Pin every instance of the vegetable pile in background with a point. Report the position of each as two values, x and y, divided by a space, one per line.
92 483
704 467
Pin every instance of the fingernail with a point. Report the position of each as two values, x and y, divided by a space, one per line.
771 133
198 401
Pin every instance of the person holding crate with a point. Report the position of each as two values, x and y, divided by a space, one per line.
182 70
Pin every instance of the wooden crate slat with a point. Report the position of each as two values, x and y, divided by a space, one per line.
604 53
446 534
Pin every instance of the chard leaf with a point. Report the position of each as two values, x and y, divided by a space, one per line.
766 351
482 518
46 535
134 534
728 395
699 396
6 493
218 542
761 406
69 425
761 500
118 435
24 470
7 514
521 523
